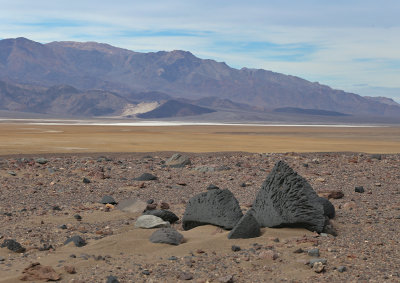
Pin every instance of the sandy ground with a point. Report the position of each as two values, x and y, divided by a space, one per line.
26 138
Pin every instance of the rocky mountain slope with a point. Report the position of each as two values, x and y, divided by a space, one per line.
177 74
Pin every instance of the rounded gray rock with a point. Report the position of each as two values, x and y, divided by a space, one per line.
151 221
215 207
165 215
167 236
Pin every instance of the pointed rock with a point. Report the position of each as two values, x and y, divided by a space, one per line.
215 207
287 199
247 227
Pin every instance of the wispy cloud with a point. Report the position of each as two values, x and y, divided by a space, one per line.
340 43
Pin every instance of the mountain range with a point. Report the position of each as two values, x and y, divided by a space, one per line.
94 79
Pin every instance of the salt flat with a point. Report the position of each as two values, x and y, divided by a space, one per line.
31 137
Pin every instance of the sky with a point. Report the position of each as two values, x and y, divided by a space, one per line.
353 45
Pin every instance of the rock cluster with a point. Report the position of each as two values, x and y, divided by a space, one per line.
285 200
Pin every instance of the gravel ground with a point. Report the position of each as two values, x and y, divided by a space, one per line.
37 198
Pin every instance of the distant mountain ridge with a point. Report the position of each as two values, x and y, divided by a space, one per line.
121 76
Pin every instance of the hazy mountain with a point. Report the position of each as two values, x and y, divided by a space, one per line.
301 111
176 74
384 100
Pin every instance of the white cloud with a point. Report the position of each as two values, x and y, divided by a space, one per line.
343 42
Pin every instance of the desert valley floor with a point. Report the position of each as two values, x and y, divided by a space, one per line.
51 173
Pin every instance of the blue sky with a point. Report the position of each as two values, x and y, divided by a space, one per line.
352 45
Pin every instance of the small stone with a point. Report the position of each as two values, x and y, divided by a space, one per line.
146 272
172 258
112 279
313 252
359 189
165 215
13 245
151 221
78 217
86 181
318 267
167 236
63 226
298 251
341 268
2 259
212 187
376 156
77 240
315 260
56 207
41 160
150 201
35 271
146 177
12 173
70 269
108 200
164 205
185 276
235 248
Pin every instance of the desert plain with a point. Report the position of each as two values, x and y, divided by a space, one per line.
51 173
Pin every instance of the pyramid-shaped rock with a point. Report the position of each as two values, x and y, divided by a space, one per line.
247 227
215 207
287 200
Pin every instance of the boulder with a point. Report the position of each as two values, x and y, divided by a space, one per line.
215 207
146 177
178 161
167 236
329 209
165 215
247 227
287 200
151 221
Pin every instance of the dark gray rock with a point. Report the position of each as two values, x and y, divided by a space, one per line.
77 240
112 279
41 160
146 177
178 161
341 268
376 156
287 200
313 252
329 209
247 227
235 248
215 207
13 245
165 215
86 181
359 189
167 236
108 199
212 187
